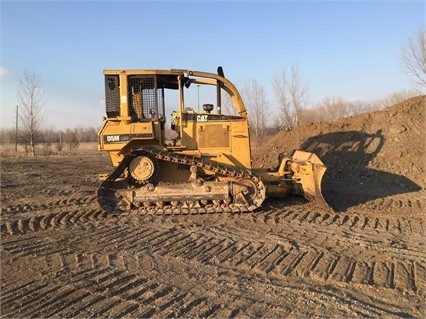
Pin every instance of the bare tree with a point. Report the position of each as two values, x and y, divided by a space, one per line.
414 58
290 95
279 86
392 99
31 117
334 108
256 103
71 139
357 107
7 135
228 105
299 93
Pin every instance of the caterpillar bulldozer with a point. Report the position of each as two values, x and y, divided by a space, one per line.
205 166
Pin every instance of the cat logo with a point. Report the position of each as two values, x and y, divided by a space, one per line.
201 118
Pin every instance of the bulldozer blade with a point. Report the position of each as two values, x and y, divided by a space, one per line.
308 173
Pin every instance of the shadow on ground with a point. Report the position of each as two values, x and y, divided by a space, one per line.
348 180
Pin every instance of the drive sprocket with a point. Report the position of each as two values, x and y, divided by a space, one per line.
142 169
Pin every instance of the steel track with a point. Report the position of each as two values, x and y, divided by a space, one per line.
109 196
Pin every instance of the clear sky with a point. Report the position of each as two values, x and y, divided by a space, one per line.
342 48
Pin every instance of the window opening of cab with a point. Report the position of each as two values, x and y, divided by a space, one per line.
146 99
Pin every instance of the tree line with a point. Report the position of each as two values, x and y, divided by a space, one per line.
293 110
292 106
290 94
51 139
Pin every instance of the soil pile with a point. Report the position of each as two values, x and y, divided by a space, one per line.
368 156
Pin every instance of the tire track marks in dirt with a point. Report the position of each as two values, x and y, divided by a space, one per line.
104 290
271 216
81 244
124 285
30 207
296 258
52 219
353 220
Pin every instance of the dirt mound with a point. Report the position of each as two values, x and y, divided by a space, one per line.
368 156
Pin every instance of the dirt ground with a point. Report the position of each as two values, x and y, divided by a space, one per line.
61 256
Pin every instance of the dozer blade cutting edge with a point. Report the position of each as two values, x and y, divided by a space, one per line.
298 173
308 171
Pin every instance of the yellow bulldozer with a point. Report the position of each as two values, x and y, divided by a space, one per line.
202 164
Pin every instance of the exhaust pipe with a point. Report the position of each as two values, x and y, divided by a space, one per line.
218 92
